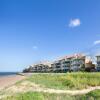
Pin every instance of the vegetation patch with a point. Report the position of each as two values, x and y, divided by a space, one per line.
94 95
77 80
64 81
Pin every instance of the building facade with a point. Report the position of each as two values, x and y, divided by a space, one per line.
69 63
66 64
56 65
98 63
77 63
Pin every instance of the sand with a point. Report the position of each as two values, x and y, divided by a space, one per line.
9 80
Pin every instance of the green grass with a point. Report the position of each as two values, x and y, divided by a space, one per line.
94 95
66 80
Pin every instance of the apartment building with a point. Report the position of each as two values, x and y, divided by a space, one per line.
74 63
98 63
66 63
40 67
77 62
62 65
56 65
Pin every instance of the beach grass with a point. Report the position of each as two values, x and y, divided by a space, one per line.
94 95
63 81
77 80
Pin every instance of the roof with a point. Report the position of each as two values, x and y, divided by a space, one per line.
43 62
72 56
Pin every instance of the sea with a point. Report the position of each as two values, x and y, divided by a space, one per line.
7 73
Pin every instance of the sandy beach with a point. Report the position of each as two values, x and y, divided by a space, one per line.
9 80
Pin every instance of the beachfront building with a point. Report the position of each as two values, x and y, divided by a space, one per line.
69 63
42 68
78 63
39 68
34 68
98 63
56 65
89 66
66 63
30 69
62 65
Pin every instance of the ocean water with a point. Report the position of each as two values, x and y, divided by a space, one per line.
7 73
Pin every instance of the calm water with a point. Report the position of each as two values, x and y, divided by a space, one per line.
7 73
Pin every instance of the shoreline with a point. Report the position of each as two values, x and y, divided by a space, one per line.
3 76
6 81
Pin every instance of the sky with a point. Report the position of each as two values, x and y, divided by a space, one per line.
36 30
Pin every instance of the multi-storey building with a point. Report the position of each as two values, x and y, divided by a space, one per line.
77 62
98 63
65 64
56 66
41 68
68 63
62 65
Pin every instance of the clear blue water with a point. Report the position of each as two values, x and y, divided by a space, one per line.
7 73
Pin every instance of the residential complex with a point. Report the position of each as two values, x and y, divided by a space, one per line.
76 62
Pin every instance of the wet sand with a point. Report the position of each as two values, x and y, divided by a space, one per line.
9 80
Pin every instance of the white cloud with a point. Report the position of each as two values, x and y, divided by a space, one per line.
96 42
74 22
35 47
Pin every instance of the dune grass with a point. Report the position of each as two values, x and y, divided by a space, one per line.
64 81
94 95
77 80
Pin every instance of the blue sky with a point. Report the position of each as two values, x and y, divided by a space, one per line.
35 30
